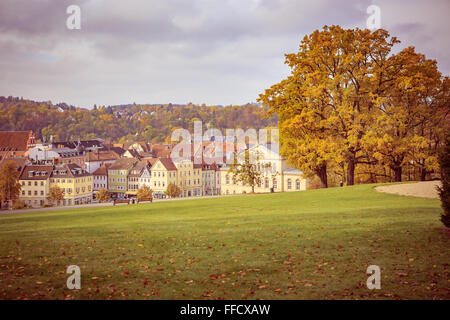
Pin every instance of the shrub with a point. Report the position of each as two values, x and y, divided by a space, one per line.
144 193
444 191
173 190
19 204
102 195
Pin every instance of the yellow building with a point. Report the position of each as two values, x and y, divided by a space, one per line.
163 172
35 185
189 178
75 182
277 175
118 176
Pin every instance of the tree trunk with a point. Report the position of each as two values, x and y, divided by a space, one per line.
351 172
253 188
397 174
423 174
322 174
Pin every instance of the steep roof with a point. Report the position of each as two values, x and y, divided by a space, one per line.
102 170
168 164
36 172
14 140
138 167
70 170
133 153
120 151
101 155
122 164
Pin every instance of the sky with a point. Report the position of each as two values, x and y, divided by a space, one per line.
217 52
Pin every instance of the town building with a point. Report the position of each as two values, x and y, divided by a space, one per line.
189 177
75 182
134 177
146 175
118 176
163 172
100 178
34 181
95 159
277 175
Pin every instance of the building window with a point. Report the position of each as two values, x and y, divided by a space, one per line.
289 184
274 183
297 184
266 183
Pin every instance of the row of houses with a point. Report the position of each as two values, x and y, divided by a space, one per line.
82 168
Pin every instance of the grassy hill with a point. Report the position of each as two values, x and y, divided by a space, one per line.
304 245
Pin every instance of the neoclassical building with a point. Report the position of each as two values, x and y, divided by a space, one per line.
277 175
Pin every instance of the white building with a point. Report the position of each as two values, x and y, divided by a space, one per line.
100 178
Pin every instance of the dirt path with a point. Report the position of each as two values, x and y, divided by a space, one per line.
426 189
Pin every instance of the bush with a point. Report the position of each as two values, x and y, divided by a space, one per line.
144 193
102 195
19 204
173 190
444 191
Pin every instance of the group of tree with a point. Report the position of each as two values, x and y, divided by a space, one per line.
153 123
352 108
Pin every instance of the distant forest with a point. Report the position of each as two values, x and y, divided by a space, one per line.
134 122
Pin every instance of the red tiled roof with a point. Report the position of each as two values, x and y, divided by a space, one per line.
122 164
101 155
70 170
14 140
36 172
168 164
102 170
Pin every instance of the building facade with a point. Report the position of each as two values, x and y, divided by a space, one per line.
163 172
75 182
276 174
100 178
118 176
34 181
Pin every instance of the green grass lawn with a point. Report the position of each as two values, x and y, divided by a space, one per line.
303 245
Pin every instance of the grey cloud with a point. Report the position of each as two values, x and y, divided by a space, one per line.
212 51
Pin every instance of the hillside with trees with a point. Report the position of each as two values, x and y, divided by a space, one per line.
148 122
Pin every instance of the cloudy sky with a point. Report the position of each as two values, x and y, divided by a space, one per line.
202 51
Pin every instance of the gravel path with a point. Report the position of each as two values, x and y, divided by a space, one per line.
426 189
